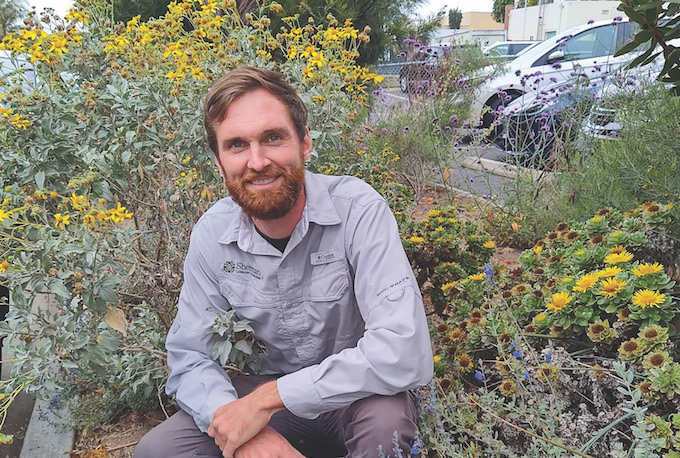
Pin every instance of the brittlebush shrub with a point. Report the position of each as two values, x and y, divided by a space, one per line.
105 169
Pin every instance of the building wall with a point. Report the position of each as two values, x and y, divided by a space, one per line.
479 21
523 23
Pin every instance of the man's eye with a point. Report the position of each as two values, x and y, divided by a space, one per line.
237 144
274 138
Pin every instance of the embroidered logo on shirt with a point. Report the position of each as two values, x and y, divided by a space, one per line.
324 257
241 268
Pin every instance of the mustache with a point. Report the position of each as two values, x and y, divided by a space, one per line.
269 172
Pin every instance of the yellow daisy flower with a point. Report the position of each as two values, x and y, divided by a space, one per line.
477 277
586 282
646 298
611 287
608 272
618 258
489 244
61 221
558 301
647 269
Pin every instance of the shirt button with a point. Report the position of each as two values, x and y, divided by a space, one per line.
289 305
284 264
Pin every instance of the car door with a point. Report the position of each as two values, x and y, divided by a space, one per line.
589 53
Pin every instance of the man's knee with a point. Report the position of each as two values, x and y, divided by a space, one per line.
150 446
374 421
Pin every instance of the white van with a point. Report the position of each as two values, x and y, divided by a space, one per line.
588 49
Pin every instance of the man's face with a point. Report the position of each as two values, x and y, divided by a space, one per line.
261 156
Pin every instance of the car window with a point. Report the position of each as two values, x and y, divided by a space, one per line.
597 42
500 49
517 47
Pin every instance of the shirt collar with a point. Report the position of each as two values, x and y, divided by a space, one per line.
319 209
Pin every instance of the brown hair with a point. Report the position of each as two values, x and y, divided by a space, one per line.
241 81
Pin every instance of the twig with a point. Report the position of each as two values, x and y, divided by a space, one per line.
118 447
556 444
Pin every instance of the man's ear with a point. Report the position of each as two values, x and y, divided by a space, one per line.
307 144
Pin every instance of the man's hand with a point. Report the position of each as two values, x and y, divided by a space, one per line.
267 444
236 423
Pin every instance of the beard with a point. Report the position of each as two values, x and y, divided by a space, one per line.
269 203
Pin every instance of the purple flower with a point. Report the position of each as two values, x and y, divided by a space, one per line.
613 133
525 374
479 376
591 22
553 79
406 129
557 65
517 354
383 130
449 127
548 356
453 118
391 132
457 61
488 271
466 124
518 72
365 148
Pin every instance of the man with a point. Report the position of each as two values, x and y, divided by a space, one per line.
316 264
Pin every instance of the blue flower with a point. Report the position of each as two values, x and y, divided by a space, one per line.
479 376
548 356
517 354
488 271
525 374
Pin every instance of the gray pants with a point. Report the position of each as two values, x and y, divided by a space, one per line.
356 430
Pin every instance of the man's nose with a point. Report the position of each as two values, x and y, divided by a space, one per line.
258 159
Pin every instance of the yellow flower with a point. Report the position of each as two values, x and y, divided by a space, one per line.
18 121
78 202
3 266
586 282
490 244
317 59
58 45
4 215
596 219
559 301
647 269
611 287
61 221
538 249
448 286
617 258
89 219
437 358
465 362
433 213
275 7
54 194
478 277
540 317
646 298
318 99
439 229
415 239
608 272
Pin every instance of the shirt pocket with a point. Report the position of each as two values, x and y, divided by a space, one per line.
242 293
329 281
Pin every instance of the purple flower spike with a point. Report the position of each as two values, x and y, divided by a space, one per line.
591 22
479 376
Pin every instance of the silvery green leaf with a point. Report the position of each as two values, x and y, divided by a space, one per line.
40 179
108 342
57 287
244 346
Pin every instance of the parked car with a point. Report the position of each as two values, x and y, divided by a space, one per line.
584 49
584 106
508 50
423 69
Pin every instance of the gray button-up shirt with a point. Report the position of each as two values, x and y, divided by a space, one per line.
339 310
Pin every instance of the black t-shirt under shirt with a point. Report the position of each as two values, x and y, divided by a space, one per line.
279 244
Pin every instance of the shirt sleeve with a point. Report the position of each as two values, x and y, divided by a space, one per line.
395 353
199 383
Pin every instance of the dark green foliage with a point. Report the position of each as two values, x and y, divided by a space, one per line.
124 10
498 11
455 16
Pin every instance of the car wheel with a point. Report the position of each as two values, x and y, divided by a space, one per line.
491 114
403 83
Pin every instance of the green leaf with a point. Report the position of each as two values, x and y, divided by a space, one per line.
40 179
244 347
107 294
57 287
108 341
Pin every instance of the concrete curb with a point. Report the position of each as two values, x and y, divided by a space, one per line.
506 170
52 437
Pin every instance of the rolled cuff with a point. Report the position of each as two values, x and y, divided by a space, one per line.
299 395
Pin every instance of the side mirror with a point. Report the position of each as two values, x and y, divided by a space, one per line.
556 56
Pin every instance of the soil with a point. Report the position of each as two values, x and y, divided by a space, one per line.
118 440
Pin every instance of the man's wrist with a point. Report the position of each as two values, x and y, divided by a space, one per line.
267 398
